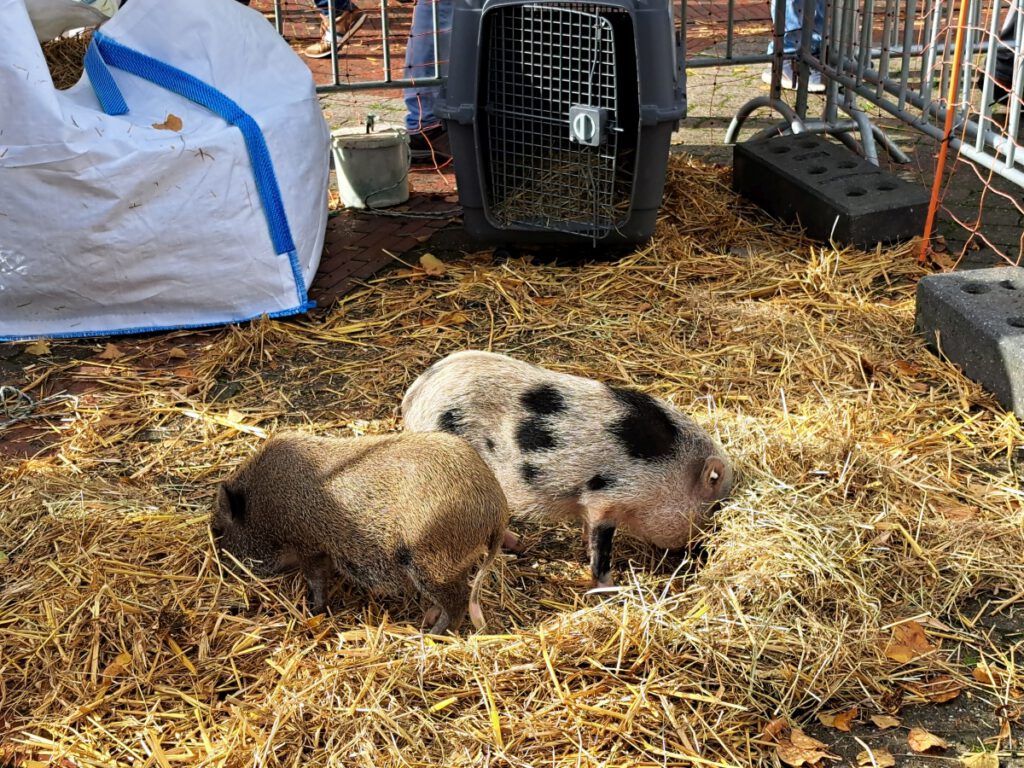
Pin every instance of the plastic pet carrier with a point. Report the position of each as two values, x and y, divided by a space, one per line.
560 116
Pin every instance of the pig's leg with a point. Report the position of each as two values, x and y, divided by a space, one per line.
599 544
511 542
317 572
452 600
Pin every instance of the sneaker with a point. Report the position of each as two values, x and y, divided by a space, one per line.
430 147
815 84
346 24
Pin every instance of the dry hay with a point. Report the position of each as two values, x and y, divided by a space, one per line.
877 486
65 58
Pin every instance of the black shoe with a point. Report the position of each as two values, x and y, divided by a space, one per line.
430 147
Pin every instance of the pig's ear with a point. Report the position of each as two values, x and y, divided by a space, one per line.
713 474
236 503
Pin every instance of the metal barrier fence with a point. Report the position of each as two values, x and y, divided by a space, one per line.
433 66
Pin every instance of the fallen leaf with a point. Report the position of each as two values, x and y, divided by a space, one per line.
980 760
800 749
983 673
38 348
644 307
454 318
546 301
184 373
882 758
1004 730
921 741
958 512
120 663
432 265
172 123
775 727
110 352
236 417
177 353
905 368
884 721
840 721
937 690
908 642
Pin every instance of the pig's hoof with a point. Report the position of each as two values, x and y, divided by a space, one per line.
512 543
431 616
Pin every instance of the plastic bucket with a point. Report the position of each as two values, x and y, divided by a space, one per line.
372 168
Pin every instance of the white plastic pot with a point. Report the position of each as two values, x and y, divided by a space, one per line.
372 168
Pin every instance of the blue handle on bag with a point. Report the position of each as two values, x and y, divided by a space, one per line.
104 52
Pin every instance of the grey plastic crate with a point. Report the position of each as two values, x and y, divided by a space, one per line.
560 117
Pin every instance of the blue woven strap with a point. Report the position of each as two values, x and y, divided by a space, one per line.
104 51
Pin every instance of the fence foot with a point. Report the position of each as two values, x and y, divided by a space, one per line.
793 123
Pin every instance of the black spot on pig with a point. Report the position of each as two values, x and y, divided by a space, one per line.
646 431
597 482
453 421
530 473
543 400
490 444
403 556
535 435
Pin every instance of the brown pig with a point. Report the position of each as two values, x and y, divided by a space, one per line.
389 513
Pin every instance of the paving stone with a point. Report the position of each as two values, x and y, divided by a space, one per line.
832 192
975 319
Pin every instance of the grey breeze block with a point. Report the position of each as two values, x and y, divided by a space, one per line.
975 319
832 192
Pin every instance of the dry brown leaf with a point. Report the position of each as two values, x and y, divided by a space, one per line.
172 123
432 265
983 673
980 760
177 353
120 663
775 727
839 721
958 512
937 690
908 642
905 368
454 318
884 721
921 740
800 749
110 352
882 758
38 348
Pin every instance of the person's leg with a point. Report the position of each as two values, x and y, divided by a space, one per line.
790 40
419 61
348 19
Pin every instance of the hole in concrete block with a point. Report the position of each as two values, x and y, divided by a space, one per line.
976 288
887 186
856 192
1016 322
817 170
781 149
1008 285
848 164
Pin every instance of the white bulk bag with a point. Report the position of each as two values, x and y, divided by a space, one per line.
110 224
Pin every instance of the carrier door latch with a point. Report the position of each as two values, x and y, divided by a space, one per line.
588 125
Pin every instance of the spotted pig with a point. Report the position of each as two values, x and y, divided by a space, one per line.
571 447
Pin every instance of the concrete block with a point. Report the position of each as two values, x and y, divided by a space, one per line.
832 192
975 318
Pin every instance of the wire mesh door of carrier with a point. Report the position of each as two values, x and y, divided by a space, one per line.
554 135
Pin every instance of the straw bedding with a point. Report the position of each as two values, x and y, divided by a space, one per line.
877 485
